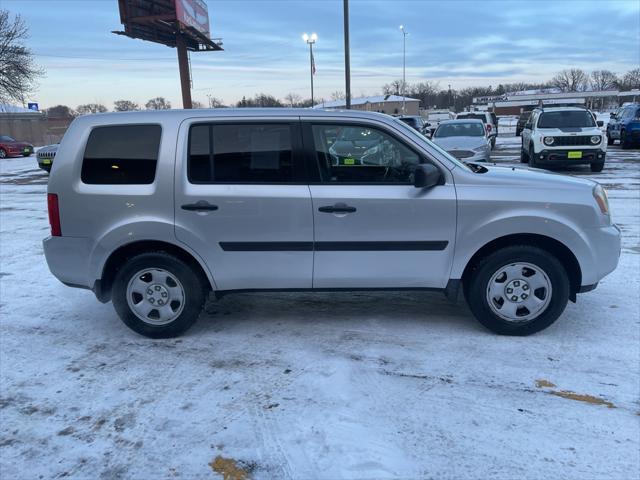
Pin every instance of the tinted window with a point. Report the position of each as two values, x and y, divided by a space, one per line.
460 130
362 155
240 153
122 154
4 138
566 119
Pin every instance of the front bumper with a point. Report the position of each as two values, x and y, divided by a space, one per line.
45 163
606 246
560 156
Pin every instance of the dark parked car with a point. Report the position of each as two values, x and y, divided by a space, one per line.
10 147
625 126
524 116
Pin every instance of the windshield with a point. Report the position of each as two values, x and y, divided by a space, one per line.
566 119
460 130
4 138
414 133
474 116
357 134
414 122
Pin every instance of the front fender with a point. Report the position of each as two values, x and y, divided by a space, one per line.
472 238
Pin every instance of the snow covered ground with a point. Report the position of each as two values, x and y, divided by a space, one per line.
327 386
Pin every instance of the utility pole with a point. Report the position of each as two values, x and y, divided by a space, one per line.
347 56
404 77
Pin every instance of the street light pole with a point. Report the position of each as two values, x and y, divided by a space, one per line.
311 39
404 64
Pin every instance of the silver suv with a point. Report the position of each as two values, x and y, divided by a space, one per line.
153 210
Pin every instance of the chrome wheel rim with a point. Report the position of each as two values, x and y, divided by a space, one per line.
155 296
519 292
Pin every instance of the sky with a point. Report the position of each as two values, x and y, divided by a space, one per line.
454 42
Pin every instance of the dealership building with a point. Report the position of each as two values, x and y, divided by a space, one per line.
390 104
518 102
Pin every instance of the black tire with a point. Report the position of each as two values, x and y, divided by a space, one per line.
192 284
532 157
477 284
597 167
3 153
493 143
610 140
625 144
524 156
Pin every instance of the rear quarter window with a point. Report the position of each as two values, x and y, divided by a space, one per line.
121 155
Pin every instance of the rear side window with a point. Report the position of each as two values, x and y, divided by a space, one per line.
240 153
121 155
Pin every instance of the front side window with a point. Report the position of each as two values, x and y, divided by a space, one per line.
360 154
459 130
240 153
4 138
566 119
121 155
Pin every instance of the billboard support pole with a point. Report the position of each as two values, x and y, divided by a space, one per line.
183 65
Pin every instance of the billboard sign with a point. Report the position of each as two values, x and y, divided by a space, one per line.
33 106
193 13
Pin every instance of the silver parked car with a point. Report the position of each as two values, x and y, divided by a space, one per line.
464 139
153 210
46 155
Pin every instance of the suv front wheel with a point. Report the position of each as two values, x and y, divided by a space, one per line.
158 295
518 290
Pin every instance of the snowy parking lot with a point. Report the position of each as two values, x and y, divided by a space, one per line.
328 386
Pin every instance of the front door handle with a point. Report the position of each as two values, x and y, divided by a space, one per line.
200 206
337 208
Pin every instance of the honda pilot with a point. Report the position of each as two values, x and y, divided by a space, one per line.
155 210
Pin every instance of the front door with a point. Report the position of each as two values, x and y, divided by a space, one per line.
373 228
242 203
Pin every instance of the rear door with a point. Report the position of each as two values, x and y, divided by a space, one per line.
373 228
242 203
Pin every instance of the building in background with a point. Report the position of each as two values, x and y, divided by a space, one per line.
389 104
518 102
23 124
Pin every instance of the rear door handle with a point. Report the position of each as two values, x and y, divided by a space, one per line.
337 208
200 206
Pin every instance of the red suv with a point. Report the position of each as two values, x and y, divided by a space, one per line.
10 147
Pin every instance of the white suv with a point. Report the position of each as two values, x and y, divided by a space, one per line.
563 136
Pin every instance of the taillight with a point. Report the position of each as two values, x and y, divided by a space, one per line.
54 215
488 128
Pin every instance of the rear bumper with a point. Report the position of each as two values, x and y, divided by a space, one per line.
68 260
560 156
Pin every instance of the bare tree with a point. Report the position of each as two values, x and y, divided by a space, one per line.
18 71
60 111
603 80
293 99
573 80
260 100
196 104
91 108
393 88
338 95
215 102
158 103
125 106
630 80
426 92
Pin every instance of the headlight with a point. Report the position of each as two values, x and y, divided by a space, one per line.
596 139
548 141
600 194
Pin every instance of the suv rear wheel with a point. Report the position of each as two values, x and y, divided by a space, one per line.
524 156
158 295
518 290
624 142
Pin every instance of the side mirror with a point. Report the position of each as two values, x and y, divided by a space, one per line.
600 123
612 115
426 175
